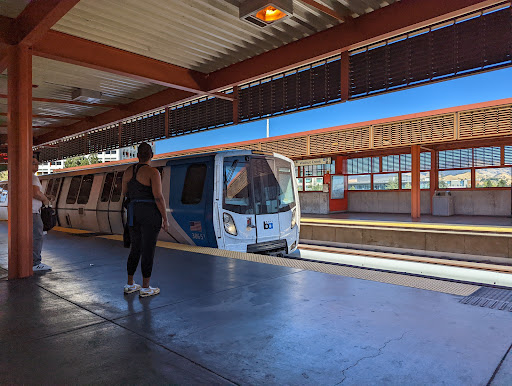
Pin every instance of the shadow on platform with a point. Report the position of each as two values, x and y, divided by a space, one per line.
220 321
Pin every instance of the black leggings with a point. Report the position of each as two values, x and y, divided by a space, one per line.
147 221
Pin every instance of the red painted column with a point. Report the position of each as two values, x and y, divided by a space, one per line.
20 161
415 182
433 178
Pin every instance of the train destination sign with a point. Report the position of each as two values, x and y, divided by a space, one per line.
315 161
3 158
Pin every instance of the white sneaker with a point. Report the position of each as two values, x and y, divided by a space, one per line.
128 289
41 267
150 291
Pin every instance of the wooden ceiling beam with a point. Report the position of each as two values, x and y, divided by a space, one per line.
82 52
37 18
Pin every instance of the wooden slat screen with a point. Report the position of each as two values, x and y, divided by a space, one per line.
340 141
417 131
446 50
293 147
485 122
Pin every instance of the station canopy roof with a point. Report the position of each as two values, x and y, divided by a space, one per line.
124 71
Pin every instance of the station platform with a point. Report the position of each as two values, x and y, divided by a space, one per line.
228 318
475 237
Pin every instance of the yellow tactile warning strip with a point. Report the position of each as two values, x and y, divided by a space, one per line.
444 227
71 230
358 273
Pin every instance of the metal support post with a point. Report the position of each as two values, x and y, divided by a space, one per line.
20 161
415 182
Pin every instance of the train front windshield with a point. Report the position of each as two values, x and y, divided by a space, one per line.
258 185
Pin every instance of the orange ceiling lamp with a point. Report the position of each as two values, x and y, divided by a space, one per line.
270 14
265 12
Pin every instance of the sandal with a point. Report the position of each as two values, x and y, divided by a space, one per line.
150 291
128 289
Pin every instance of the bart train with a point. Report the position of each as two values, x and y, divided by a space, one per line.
237 200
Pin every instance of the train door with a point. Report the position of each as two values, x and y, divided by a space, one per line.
266 199
67 198
115 206
191 199
52 190
102 214
236 210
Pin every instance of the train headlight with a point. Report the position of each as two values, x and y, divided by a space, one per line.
294 218
229 224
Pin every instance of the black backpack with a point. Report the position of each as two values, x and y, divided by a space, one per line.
49 217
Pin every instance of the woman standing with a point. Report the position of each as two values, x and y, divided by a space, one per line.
142 186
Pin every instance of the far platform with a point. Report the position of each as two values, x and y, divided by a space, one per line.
226 320
461 237
505 221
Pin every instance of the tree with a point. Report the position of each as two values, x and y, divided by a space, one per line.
442 184
502 183
93 159
490 184
392 184
76 161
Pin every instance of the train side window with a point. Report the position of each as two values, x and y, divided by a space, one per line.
3 193
49 186
74 186
107 187
194 184
118 187
56 186
85 189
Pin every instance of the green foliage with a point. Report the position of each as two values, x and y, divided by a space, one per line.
442 184
502 183
76 161
93 159
490 183
392 184
81 161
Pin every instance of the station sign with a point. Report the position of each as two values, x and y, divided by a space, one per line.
315 161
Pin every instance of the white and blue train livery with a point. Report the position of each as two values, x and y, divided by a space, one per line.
238 200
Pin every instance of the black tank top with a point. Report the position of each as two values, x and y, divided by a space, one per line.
136 190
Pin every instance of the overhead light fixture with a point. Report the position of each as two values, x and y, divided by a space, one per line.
265 12
84 95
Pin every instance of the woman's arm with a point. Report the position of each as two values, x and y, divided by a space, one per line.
156 186
127 175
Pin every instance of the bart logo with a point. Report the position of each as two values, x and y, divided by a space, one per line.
268 225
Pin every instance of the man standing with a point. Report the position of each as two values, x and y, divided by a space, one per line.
38 199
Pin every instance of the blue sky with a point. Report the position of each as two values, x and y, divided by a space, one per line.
471 89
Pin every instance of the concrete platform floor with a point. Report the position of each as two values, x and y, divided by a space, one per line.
425 218
221 321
